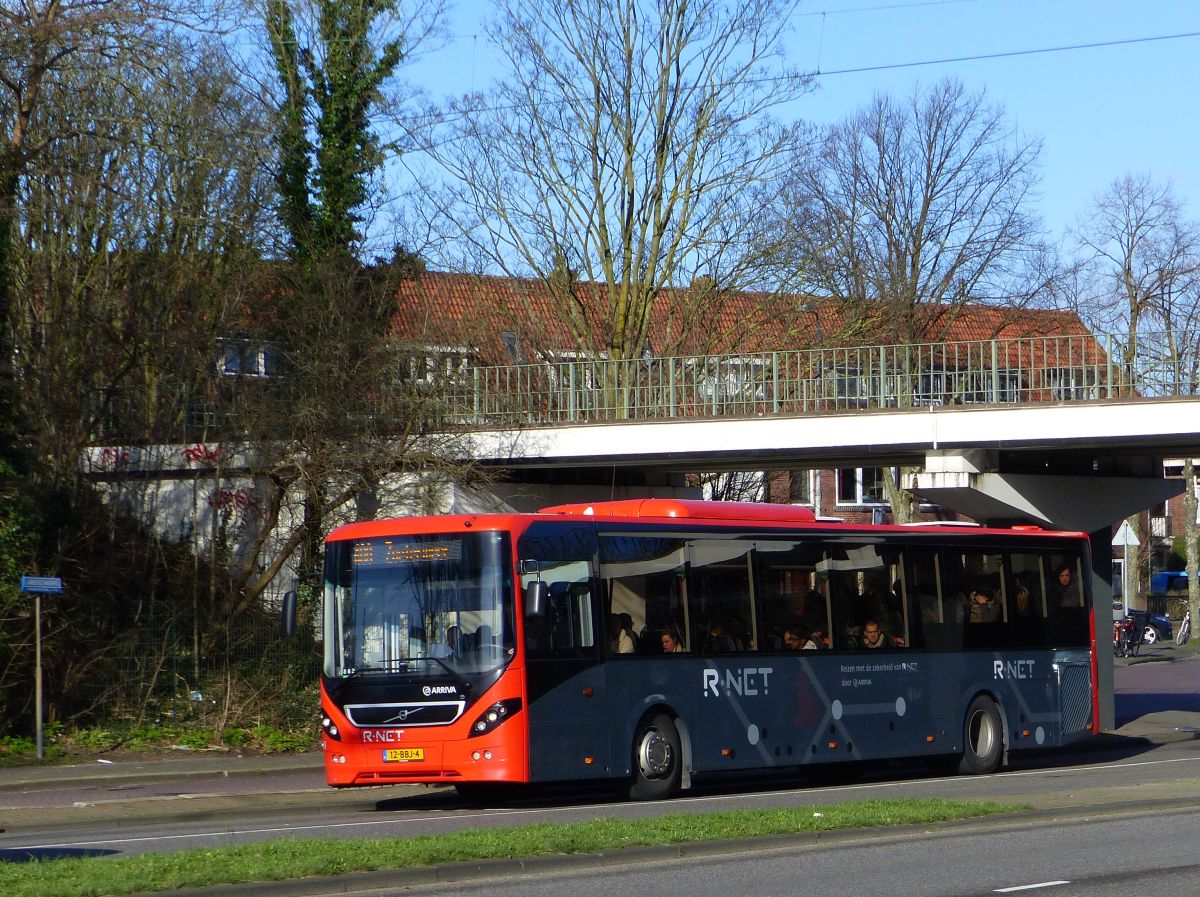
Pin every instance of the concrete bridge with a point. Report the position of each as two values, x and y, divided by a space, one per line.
1052 430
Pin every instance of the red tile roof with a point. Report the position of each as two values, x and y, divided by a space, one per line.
473 311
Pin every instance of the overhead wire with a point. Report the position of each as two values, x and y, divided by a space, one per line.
940 61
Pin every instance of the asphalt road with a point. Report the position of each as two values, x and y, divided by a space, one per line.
1083 857
1125 775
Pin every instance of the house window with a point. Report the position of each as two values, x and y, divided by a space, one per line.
244 358
573 369
939 387
723 382
854 387
861 486
512 346
438 365
1073 383
800 487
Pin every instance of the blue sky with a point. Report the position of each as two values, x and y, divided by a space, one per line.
1101 112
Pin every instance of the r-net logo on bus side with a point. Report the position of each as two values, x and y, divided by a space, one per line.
747 681
1012 669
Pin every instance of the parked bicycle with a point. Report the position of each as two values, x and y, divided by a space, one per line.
1185 628
1126 637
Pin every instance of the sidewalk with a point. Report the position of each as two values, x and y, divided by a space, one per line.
189 765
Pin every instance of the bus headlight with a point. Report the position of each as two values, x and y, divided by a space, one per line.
494 716
330 728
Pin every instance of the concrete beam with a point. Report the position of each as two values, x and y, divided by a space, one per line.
1077 503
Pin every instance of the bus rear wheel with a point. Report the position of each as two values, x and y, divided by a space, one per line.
657 759
983 738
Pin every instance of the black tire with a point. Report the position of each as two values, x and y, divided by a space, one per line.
657 759
983 738
1184 633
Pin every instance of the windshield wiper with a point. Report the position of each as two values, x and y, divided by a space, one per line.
463 683
403 665
398 665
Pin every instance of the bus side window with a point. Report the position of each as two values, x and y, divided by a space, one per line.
1027 600
921 585
1066 596
563 553
720 605
646 578
790 591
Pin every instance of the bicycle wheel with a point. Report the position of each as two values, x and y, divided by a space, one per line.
1184 633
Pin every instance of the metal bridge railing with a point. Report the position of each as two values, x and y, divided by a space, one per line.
1032 370
985 372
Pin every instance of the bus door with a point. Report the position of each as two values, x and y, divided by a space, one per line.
565 678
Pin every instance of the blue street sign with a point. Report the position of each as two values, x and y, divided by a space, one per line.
41 584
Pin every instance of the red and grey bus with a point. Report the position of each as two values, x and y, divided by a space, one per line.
648 642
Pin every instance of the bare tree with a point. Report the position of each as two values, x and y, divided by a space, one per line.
908 211
629 148
1135 247
47 48
913 208
1139 275
137 240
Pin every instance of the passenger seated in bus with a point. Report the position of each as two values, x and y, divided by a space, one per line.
984 608
799 638
888 619
1023 599
627 628
671 642
484 638
450 647
620 640
716 641
873 637
1065 589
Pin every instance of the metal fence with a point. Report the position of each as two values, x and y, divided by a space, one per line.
1009 371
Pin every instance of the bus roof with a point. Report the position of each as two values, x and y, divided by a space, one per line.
688 509
728 513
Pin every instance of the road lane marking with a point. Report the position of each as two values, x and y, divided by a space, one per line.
1041 884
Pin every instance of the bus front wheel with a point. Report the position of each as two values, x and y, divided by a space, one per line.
657 759
983 738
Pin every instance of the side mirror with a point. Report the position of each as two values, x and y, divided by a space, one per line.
289 613
537 598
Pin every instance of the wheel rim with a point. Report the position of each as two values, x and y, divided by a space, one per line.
655 755
983 734
1150 636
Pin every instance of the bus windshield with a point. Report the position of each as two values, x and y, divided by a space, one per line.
419 605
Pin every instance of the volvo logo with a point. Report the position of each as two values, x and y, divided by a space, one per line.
404 714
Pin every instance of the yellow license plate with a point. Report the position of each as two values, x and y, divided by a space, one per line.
403 755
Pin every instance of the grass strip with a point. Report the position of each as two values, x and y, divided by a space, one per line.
288 859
